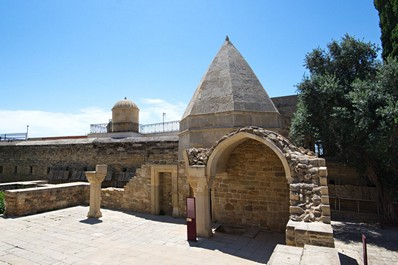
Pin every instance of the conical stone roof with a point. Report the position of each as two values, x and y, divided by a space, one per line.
229 85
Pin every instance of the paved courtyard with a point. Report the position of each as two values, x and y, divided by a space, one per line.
68 237
382 244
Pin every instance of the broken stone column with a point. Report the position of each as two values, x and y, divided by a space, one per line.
95 178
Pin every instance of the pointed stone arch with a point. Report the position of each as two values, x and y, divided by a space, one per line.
304 171
217 160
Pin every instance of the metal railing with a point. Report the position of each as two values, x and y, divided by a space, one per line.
161 127
14 137
99 128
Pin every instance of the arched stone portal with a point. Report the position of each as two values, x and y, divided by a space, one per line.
256 160
253 191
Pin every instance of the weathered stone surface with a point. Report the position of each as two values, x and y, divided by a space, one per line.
252 192
229 85
198 156
312 233
306 170
34 200
296 210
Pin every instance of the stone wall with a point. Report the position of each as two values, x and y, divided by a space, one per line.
136 195
31 160
41 199
286 106
254 192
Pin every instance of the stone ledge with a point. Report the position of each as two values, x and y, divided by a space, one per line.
302 233
50 187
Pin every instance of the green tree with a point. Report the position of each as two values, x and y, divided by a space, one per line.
350 103
388 14
332 73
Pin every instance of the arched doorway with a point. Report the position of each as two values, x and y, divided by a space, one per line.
272 160
250 187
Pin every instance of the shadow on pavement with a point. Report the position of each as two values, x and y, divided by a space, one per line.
91 221
352 232
346 260
258 248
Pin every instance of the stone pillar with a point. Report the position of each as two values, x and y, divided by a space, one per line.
174 194
95 178
323 173
197 180
154 191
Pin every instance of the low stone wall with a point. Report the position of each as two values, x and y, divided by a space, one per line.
301 233
21 185
34 200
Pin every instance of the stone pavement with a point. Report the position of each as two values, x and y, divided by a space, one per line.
68 237
382 244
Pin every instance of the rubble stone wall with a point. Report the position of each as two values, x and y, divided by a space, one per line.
254 192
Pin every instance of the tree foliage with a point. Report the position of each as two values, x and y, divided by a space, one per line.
350 103
388 13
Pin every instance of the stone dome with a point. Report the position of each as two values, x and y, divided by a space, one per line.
125 104
125 116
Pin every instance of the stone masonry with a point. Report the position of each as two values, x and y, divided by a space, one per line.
254 192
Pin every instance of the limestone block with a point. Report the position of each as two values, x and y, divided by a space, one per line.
324 190
325 200
323 181
323 172
326 219
196 171
325 210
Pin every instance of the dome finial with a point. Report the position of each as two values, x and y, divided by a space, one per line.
125 97
227 38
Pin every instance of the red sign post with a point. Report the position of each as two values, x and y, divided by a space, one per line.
365 251
191 219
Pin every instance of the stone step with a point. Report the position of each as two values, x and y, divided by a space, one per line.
309 255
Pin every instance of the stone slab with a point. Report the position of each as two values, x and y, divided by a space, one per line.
286 255
315 255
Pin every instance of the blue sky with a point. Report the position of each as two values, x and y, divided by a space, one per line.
63 64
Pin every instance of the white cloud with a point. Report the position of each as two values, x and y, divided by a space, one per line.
44 123
151 110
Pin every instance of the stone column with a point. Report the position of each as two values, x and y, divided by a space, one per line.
154 191
197 180
95 178
174 194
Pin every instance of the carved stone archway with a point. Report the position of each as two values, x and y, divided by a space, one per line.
304 171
